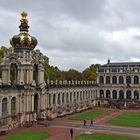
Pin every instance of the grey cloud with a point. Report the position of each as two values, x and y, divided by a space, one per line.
68 31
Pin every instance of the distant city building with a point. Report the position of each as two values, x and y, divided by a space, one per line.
24 95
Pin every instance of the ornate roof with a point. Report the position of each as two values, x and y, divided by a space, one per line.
120 65
23 39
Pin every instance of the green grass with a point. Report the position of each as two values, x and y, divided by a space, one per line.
33 135
100 136
89 115
126 119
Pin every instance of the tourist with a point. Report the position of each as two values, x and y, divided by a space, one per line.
91 122
71 132
84 122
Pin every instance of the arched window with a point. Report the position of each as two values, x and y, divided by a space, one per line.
128 80
114 94
121 94
4 105
114 80
71 97
13 104
136 80
121 81
101 80
101 94
13 73
59 99
107 80
108 94
128 94
136 94
53 98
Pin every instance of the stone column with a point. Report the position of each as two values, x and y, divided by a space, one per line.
19 104
125 94
65 102
69 97
132 79
31 75
32 103
132 94
44 103
41 102
79 96
117 79
48 100
21 76
51 101
60 98
110 79
8 76
27 103
111 94
56 99
98 94
27 76
23 103
38 111
4 76
124 78
29 71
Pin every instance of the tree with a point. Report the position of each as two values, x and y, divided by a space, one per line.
72 75
90 73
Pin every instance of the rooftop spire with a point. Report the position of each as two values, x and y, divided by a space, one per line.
24 15
24 22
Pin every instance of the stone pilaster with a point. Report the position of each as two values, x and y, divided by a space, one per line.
27 103
9 105
32 96
125 94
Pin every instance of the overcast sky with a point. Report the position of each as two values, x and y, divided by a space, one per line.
77 33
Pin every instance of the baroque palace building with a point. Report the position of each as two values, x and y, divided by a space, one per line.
24 95
119 84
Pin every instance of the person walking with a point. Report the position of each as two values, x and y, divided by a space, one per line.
91 122
71 133
84 122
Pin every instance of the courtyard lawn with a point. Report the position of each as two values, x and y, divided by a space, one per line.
33 135
100 136
89 115
126 119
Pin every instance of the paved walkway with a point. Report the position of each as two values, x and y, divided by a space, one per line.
59 128
109 128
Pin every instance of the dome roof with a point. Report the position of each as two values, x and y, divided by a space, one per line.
23 39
